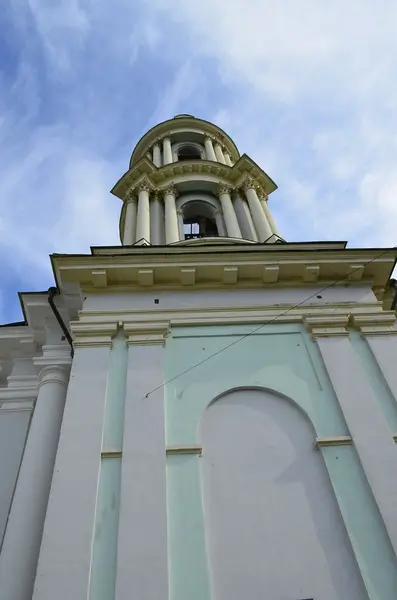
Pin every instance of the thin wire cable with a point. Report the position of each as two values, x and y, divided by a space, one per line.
246 335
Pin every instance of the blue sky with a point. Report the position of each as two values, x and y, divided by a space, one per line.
307 89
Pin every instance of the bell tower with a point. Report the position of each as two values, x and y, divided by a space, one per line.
215 412
188 185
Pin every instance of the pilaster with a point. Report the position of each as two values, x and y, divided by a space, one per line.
142 557
368 428
380 333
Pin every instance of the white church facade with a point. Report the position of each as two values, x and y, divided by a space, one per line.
206 411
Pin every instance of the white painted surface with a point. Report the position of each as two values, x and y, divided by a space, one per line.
273 527
142 543
22 538
229 298
384 349
63 569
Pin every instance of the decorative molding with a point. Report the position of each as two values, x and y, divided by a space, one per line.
111 454
381 323
99 277
230 275
356 272
22 406
215 315
184 450
342 440
93 334
146 334
311 273
146 277
188 276
271 274
330 325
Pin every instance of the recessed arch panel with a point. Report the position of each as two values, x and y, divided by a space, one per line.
273 526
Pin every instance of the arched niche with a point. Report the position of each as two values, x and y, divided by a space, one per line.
200 216
272 524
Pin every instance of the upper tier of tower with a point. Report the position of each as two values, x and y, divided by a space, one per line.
187 183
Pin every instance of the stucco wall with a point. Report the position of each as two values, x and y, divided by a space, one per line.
262 499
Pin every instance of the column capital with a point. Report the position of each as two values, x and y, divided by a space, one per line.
131 195
170 189
144 184
249 183
327 325
223 188
166 136
262 194
54 374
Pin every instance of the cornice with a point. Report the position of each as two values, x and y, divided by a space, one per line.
142 324
295 267
197 170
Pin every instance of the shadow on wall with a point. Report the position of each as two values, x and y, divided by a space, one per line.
273 526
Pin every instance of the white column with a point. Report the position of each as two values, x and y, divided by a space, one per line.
63 570
244 217
219 153
180 224
143 218
156 220
171 217
157 155
232 226
261 224
219 223
130 220
23 535
228 158
174 154
263 200
142 562
368 427
167 151
209 149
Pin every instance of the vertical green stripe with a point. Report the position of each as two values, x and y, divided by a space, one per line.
103 572
104 554
115 395
366 530
188 567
